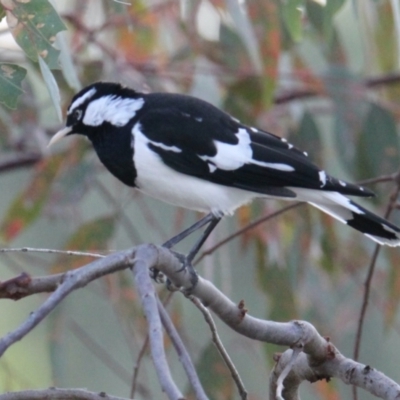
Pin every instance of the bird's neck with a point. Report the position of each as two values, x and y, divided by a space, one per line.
116 153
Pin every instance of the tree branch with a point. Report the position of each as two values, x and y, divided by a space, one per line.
70 281
183 354
19 160
319 358
146 257
56 393
221 349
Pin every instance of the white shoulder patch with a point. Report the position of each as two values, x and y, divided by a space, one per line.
80 100
115 110
233 156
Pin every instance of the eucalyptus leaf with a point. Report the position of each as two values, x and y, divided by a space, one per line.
11 76
52 87
378 146
246 32
34 25
67 65
2 12
308 138
292 17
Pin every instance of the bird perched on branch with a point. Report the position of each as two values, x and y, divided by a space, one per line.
184 151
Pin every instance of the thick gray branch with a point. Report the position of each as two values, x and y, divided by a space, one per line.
319 360
146 257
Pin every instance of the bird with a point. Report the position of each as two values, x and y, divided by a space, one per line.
185 151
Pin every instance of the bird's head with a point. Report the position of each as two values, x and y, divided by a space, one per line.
97 105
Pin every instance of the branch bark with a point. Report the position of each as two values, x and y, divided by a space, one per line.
319 358
56 393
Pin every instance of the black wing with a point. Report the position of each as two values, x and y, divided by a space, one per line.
267 164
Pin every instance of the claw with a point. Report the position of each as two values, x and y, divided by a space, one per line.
156 275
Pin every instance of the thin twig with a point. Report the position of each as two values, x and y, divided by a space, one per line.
136 368
19 161
50 251
297 349
368 279
56 393
378 179
219 345
183 354
246 228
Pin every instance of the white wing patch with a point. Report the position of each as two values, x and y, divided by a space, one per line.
80 100
165 147
115 110
164 183
143 140
322 178
233 156
278 166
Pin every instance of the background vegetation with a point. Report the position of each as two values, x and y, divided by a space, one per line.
325 75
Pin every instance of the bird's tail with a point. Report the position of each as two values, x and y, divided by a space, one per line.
352 214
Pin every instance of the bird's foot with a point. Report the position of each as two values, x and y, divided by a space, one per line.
157 275
186 267
193 276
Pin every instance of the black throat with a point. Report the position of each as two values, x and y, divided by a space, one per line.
113 146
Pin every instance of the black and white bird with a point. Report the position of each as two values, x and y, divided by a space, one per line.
184 151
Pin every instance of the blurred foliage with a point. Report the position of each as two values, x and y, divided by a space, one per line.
323 74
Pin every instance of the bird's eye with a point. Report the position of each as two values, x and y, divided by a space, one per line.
77 114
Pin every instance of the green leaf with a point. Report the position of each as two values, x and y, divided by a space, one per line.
378 147
244 99
34 25
247 33
321 16
52 87
292 17
11 76
315 14
27 207
2 12
349 112
308 138
67 65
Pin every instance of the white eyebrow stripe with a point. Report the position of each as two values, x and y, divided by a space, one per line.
118 111
80 100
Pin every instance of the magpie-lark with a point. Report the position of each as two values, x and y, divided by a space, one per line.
186 152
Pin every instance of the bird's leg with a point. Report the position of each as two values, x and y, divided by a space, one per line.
199 224
194 250
210 219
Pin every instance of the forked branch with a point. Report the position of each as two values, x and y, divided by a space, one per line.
317 357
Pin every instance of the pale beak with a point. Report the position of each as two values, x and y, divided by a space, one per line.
59 135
